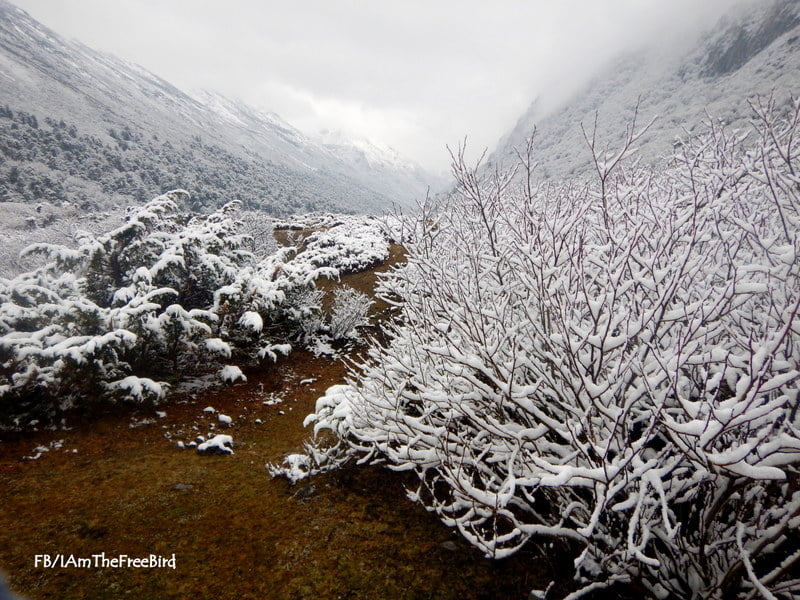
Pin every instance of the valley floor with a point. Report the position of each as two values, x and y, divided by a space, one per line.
235 532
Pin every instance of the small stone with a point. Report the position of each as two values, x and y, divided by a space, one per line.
305 492
182 487
451 546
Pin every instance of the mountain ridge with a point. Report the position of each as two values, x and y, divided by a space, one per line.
677 88
50 77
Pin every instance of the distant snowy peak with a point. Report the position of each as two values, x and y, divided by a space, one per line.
382 162
353 150
361 149
330 150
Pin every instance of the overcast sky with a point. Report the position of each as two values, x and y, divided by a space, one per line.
412 74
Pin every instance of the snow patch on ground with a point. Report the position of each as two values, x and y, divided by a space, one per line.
272 400
219 444
195 384
321 347
40 450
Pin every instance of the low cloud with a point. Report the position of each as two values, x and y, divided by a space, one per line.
414 75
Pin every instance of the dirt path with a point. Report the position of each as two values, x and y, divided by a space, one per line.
235 532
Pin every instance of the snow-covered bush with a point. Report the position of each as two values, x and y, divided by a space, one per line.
162 293
295 467
259 228
138 389
306 312
334 415
312 220
280 287
92 320
231 374
273 297
354 244
614 364
349 311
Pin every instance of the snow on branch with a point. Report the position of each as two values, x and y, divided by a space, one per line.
614 364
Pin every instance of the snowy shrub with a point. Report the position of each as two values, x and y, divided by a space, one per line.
349 311
178 331
306 312
295 467
138 389
218 346
258 227
163 293
279 291
231 374
334 413
352 245
273 350
401 228
252 320
613 364
312 220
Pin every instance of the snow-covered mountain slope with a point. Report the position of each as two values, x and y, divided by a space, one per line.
365 161
379 160
145 135
755 49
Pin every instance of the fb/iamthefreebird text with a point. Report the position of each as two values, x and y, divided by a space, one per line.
102 561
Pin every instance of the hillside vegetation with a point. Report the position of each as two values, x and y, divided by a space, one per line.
54 161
